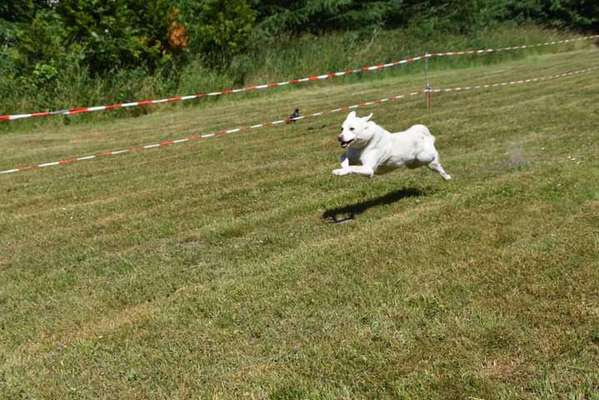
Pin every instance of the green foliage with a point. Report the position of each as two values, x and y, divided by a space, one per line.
322 15
42 40
45 74
89 41
125 34
582 14
277 16
8 53
117 34
22 10
220 29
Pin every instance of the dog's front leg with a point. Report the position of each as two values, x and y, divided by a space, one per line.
344 170
355 169
344 161
361 170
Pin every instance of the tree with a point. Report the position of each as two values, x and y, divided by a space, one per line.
317 16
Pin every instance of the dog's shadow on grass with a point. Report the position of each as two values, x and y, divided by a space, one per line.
348 213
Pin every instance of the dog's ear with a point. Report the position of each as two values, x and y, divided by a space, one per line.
351 115
368 117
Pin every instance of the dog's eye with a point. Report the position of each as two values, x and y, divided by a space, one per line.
351 129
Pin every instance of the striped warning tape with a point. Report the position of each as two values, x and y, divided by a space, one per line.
376 67
511 83
143 103
511 48
198 137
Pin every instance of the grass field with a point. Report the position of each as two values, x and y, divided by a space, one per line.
210 270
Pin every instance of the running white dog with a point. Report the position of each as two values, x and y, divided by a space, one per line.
379 151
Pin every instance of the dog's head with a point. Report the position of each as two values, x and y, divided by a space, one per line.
355 131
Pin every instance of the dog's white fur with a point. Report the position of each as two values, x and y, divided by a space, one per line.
371 149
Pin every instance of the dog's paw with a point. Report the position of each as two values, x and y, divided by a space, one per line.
340 172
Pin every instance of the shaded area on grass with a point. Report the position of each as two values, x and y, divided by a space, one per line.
347 213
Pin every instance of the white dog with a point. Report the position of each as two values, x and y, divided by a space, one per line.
379 151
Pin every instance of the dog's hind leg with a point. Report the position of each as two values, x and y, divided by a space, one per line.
435 165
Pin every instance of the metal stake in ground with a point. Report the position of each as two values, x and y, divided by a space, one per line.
428 89
429 97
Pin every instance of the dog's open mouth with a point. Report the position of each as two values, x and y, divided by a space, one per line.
345 144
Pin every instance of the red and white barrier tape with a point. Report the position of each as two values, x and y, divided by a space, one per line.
377 67
198 137
518 82
81 110
526 46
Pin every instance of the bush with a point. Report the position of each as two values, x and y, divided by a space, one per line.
119 33
220 29
41 41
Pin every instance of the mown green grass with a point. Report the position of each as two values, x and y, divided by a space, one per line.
208 270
